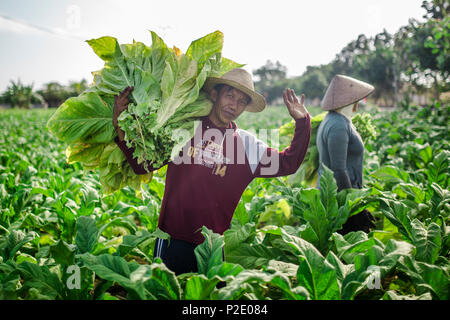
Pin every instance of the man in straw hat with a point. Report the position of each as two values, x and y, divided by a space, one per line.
205 183
340 146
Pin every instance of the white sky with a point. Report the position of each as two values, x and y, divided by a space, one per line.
297 33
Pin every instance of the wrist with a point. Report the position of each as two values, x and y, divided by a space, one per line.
300 117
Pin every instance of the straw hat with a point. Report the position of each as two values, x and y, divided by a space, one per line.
242 80
344 91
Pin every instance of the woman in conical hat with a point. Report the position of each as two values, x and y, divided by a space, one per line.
339 144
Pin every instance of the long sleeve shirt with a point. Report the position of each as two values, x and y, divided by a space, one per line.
341 150
205 182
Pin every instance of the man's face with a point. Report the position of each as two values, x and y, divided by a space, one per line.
229 103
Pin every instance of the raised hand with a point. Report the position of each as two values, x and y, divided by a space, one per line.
120 104
295 106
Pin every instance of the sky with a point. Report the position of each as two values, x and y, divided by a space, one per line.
43 41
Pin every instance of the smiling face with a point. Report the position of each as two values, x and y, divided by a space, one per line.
229 103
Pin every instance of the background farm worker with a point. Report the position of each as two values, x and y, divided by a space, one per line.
206 190
340 146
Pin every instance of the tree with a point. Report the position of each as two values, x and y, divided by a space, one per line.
76 88
345 60
416 57
423 53
271 80
371 59
439 43
55 94
377 66
271 72
314 83
436 9
18 95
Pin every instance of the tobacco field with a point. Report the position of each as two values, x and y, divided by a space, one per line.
62 238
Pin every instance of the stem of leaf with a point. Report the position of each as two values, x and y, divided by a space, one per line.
142 136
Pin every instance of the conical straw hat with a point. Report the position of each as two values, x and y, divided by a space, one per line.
344 91
242 80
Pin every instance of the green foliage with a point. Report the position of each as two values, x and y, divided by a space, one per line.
54 93
58 225
209 253
439 43
411 60
56 222
365 128
271 80
314 83
165 102
19 95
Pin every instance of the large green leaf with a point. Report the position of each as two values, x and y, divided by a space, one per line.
427 240
116 269
440 201
392 295
253 255
426 277
210 253
393 251
314 273
234 237
178 85
13 242
328 192
129 242
254 282
365 273
391 175
398 214
199 287
225 66
63 253
87 234
321 210
341 269
316 215
349 252
199 108
8 286
204 48
438 170
119 222
224 270
88 154
86 118
115 76
158 56
41 279
162 283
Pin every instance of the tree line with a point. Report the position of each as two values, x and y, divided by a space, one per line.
52 94
414 60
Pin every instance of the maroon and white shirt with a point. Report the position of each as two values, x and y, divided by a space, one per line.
205 182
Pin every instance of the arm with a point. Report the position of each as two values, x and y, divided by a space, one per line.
274 163
121 104
128 152
337 143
